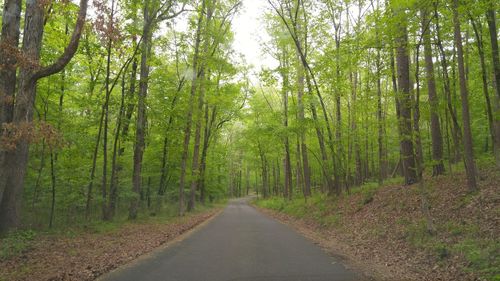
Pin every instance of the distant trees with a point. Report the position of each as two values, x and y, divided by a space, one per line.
361 73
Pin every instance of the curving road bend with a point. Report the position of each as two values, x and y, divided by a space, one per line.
240 244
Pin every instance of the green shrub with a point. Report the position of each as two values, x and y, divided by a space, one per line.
418 236
482 255
441 250
16 243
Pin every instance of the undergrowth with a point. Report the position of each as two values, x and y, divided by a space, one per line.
15 243
19 241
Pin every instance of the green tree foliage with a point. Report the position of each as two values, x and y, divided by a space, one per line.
349 50
150 109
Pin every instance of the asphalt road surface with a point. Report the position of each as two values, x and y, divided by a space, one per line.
240 244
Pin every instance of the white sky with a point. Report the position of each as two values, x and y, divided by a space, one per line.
250 33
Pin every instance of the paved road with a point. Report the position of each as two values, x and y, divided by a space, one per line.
240 244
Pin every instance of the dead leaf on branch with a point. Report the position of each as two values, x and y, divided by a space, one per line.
13 134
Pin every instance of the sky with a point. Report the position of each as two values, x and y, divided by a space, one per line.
250 33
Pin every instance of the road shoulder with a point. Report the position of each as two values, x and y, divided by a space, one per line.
340 251
87 256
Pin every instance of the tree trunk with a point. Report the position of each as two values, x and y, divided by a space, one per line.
16 160
287 163
436 135
263 162
104 182
403 72
9 42
113 187
484 77
131 105
491 18
338 172
195 169
247 179
163 177
140 132
53 189
470 168
206 142
189 117
382 161
419 157
455 128
358 177
303 144
299 178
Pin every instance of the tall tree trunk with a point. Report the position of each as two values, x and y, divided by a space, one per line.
189 117
491 18
455 128
303 145
9 41
484 77
163 177
16 160
382 161
436 135
284 93
140 130
264 171
399 166
104 180
113 187
53 188
287 164
416 111
209 122
403 72
338 172
130 107
247 179
470 168
195 169
299 177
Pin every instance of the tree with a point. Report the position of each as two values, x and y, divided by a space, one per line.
9 42
189 118
437 138
492 27
470 166
15 161
404 98
152 16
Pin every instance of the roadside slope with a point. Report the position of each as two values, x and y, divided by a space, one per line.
383 230
88 255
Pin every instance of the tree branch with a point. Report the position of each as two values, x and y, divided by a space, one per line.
70 50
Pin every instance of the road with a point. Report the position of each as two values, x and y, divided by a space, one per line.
240 244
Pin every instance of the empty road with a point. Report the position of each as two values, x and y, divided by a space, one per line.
240 244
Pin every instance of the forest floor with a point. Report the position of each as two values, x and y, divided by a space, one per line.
381 230
87 254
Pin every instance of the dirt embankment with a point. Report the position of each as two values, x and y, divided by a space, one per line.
89 255
382 231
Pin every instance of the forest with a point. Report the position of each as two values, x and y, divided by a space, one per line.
116 110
